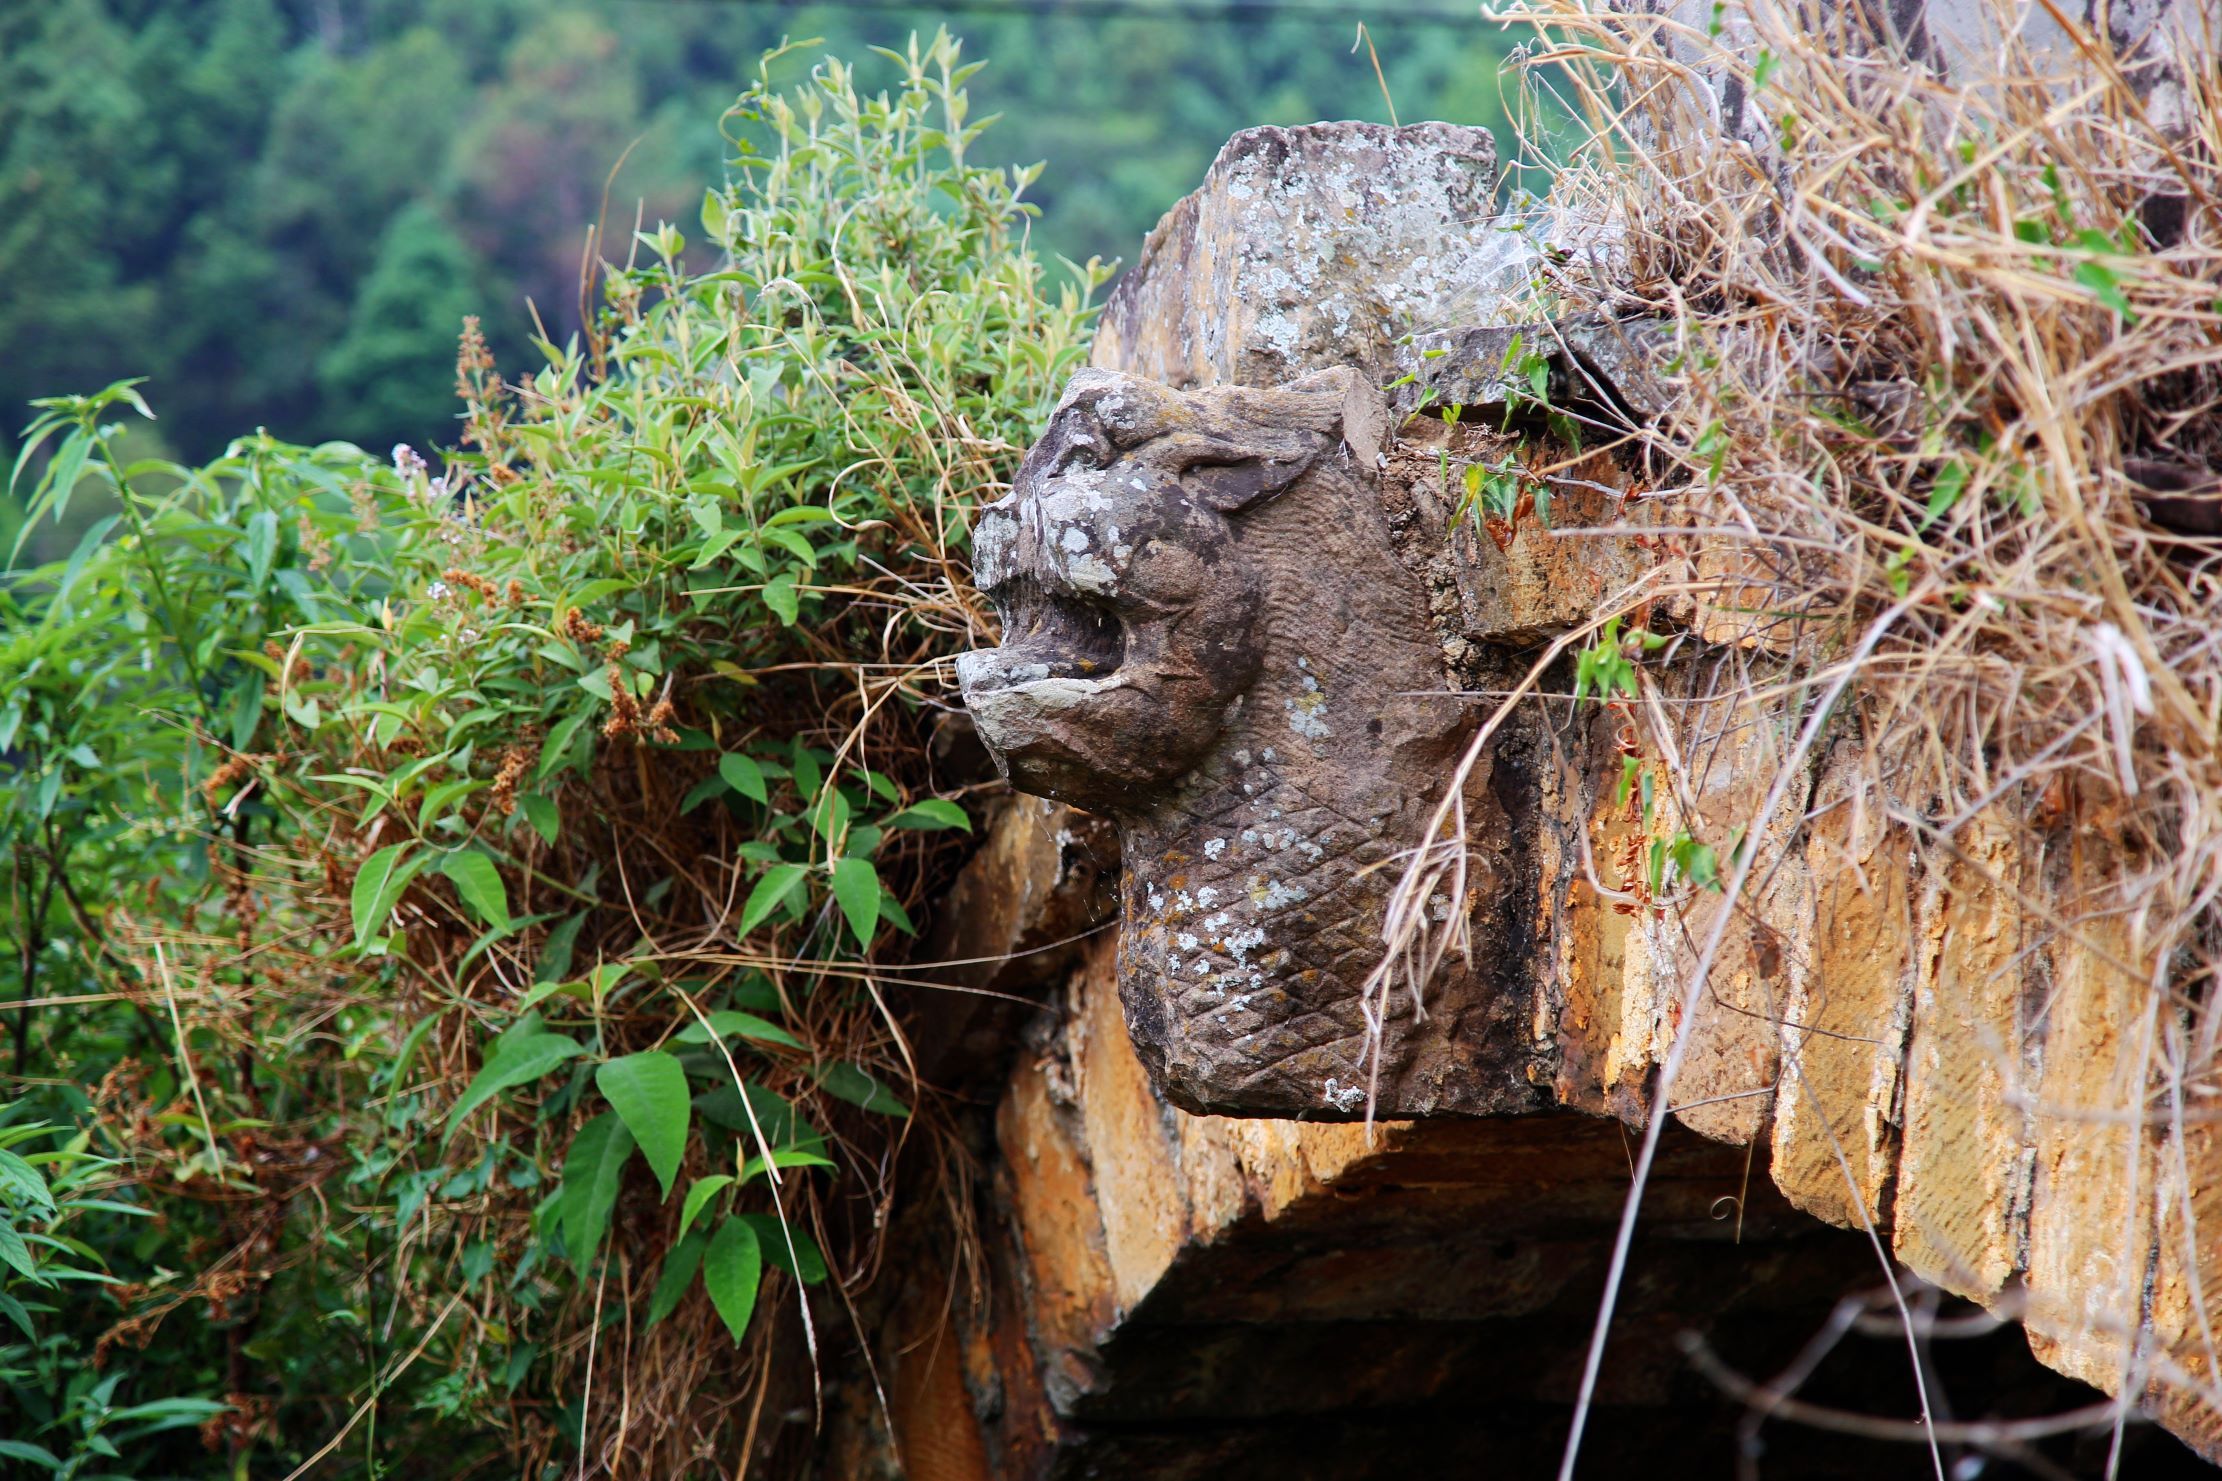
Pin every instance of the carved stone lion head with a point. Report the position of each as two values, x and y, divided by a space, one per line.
1130 612
1209 638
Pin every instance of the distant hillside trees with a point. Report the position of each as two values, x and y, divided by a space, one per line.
211 192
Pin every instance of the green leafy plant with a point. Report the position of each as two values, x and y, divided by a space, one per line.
467 860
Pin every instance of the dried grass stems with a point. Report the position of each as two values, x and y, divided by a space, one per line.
1942 468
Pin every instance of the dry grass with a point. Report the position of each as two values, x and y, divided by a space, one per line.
1946 325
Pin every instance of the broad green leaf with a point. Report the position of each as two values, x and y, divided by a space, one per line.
438 799
934 812
67 468
262 547
20 1182
744 776
731 1022
785 1157
246 709
515 1062
684 1259
542 814
378 887
15 1312
592 1170
186 1409
557 747
16 1253
701 1193
710 786
778 883
398 1072
807 1264
856 885
649 1090
852 1084
779 595
25 1450
732 1268
479 883
555 955
782 1125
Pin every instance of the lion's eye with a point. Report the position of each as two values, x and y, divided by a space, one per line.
1080 453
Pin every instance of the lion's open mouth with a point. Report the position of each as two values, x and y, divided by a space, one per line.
1052 635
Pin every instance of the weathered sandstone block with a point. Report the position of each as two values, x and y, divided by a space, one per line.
1316 246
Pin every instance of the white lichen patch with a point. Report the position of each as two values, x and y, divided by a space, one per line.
1307 714
1214 847
1091 574
1186 941
1344 1098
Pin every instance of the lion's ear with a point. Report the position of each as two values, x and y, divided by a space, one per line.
1236 478
1262 439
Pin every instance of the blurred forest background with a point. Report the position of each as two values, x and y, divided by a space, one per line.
278 211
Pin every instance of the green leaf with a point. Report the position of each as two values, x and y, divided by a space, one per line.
25 1450
67 468
262 547
782 1125
785 1157
1945 491
21 1182
15 1313
557 747
562 944
934 812
592 1170
684 1259
710 786
378 887
480 885
16 1253
2105 287
779 595
856 885
744 776
649 1090
850 1083
542 814
701 1193
515 1062
187 1409
807 1264
731 1269
730 1021
778 883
